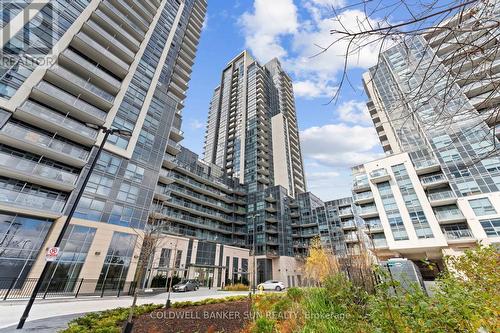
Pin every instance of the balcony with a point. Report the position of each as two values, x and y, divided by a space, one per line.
368 211
351 238
449 216
427 166
120 33
458 235
294 214
17 167
166 177
346 212
271 219
374 227
100 54
80 86
379 175
176 134
433 181
33 200
60 100
380 243
169 161
53 121
271 209
361 186
348 225
19 136
263 180
363 197
173 148
442 198
271 199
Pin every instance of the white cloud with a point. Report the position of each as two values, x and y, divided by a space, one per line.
313 89
273 29
340 145
354 112
196 124
264 27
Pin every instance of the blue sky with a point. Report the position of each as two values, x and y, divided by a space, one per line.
334 136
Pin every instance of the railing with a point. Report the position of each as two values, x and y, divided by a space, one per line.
38 169
33 201
347 211
441 195
378 243
444 215
363 195
458 234
26 134
432 179
12 288
425 164
360 184
378 173
59 119
367 210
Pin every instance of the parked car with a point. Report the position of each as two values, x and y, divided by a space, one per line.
185 286
196 283
272 285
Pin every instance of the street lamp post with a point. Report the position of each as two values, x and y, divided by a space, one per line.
107 132
253 253
167 305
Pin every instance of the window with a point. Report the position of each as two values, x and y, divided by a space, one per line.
491 227
482 207
117 261
21 239
165 258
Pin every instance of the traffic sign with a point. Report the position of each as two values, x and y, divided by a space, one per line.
52 253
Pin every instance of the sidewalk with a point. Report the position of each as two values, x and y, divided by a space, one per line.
11 311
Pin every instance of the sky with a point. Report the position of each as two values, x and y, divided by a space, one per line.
335 135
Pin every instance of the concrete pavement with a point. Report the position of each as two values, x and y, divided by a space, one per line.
66 309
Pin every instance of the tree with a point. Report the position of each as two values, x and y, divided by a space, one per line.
320 263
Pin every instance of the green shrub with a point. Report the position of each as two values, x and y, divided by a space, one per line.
264 325
209 301
106 321
295 294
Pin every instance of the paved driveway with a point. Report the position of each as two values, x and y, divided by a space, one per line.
67 309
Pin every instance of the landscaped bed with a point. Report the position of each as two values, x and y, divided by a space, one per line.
229 314
228 317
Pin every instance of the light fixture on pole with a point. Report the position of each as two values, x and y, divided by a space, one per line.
107 132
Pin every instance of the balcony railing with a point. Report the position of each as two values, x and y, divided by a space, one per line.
367 210
445 195
32 200
378 173
425 164
458 234
363 196
58 119
15 163
380 243
28 135
445 215
429 180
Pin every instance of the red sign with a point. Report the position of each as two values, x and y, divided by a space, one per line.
52 253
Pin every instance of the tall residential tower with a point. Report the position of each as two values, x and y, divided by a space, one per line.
252 126
75 66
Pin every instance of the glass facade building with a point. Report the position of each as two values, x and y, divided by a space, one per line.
75 66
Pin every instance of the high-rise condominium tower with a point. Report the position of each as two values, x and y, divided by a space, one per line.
74 66
252 127
438 191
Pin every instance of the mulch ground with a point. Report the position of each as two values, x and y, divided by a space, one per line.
227 317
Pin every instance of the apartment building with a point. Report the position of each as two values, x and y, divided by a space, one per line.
76 66
436 192
252 127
